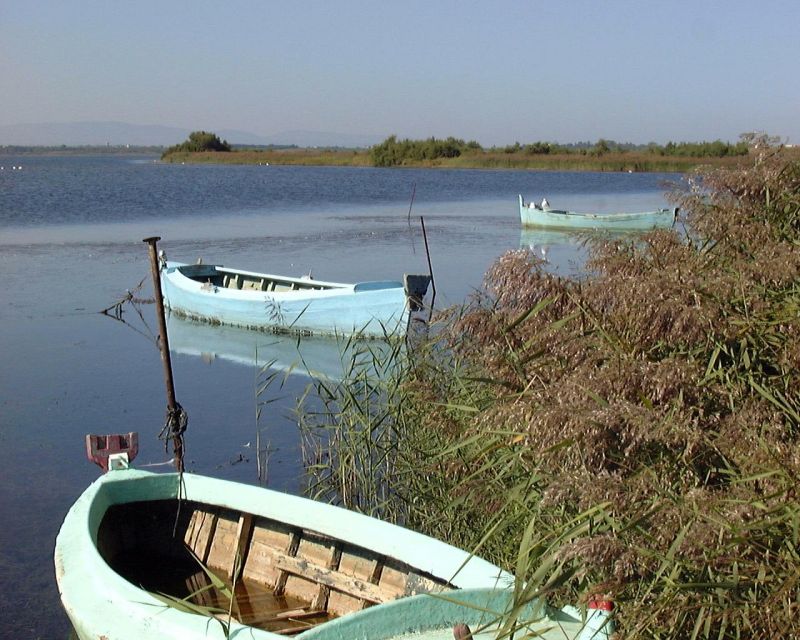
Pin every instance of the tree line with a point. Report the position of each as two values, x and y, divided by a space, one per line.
393 152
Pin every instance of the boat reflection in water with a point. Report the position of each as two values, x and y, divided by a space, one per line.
531 238
315 357
563 251
566 252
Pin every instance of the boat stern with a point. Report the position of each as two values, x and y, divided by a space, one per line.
416 286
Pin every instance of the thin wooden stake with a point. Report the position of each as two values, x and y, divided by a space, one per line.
411 204
430 267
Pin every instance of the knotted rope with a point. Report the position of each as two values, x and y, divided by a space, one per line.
174 427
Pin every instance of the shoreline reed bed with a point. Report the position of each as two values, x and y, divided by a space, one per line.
301 157
613 162
633 435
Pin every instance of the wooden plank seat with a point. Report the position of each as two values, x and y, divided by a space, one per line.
252 281
332 579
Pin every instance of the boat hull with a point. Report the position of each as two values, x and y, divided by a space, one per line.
101 603
370 309
560 219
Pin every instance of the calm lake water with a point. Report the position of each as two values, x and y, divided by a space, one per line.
71 232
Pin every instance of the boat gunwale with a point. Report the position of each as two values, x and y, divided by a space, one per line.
308 285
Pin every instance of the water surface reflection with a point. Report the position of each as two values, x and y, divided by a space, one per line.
327 358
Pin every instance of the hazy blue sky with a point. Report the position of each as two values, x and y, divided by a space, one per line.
495 71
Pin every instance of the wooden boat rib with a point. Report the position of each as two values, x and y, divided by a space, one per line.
220 295
297 564
535 215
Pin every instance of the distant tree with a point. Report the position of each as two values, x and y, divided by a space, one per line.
655 148
387 153
601 146
393 152
200 141
538 148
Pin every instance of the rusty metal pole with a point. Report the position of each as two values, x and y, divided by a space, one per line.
173 408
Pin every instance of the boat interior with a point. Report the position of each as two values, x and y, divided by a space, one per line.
283 579
222 277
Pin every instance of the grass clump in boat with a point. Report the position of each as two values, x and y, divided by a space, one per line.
633 435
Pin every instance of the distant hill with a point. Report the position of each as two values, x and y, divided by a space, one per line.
89 133
74 134
322 139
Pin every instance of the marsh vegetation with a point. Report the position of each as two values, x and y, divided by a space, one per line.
632 434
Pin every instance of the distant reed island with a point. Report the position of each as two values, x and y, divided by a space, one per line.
454 153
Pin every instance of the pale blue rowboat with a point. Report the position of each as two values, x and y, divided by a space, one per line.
215 294
535 215
305 569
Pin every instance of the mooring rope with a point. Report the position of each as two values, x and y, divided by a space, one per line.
175 425
116 309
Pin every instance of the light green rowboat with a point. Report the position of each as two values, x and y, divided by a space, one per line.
300 568
534 215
